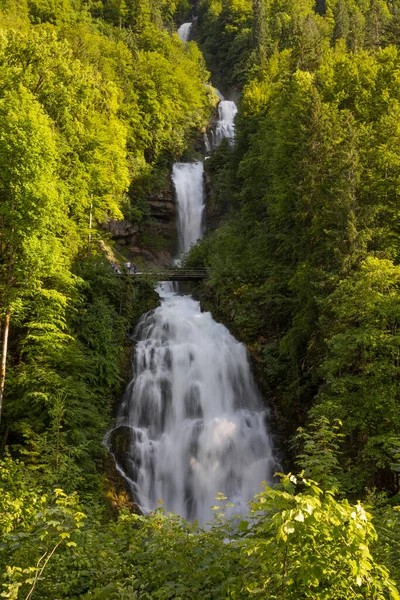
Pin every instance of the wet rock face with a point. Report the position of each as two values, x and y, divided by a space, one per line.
154 241
120 443
162 206
117 492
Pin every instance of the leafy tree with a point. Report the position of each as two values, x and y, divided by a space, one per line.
30 207
318 448
312 546
260 29
342 21
361 368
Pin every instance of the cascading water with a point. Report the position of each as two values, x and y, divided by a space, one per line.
194 413
194 416
191 419
226 121
207 145
184 31
225 127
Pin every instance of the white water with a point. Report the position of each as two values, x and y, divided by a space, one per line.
225 127
184 31
189 188
194 415
227 111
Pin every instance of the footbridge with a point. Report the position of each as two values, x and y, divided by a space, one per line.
170 274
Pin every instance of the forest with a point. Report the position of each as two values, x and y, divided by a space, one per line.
98 99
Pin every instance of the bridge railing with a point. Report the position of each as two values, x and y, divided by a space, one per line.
163 274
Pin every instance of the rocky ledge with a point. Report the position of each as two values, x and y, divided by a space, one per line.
152 242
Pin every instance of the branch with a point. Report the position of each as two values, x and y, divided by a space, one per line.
39 574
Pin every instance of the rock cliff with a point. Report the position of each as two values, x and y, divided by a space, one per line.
153 241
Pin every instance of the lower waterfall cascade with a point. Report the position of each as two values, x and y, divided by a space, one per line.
195 418
194 413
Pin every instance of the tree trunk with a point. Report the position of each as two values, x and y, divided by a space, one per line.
4 357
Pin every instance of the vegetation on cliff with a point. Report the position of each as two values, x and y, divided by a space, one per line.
90 112
306 265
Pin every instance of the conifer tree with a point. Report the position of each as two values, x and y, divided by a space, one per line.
342 21
260 30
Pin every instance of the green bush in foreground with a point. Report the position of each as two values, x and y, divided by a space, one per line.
296 542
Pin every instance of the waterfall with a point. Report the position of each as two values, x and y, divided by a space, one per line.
184 31
226 121
189 187
225 127
191 423
193 414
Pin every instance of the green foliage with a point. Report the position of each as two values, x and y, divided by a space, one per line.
225 36
313 546
29 195
318 449
311 219
33 527
239 37
296 541
387 521
361 369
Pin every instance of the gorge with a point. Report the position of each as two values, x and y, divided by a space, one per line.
196 422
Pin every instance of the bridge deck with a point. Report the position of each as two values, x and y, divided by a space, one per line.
173 274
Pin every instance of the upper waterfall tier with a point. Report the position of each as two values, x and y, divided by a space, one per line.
184 31
225 128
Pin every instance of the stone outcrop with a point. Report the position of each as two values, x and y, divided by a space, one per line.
116 488
152 242
163 207
120 442
121 229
